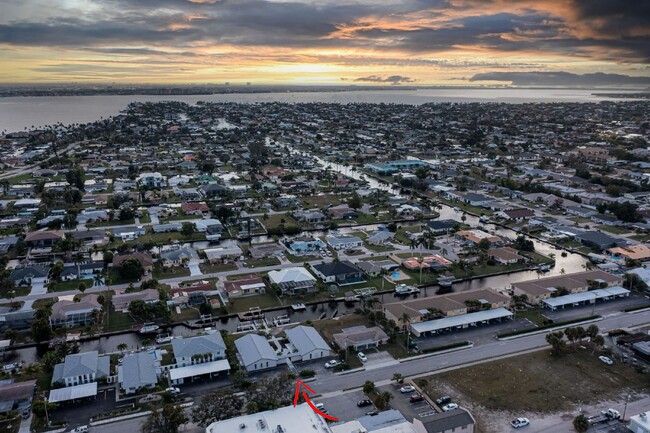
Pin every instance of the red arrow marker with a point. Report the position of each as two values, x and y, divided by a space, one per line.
300 383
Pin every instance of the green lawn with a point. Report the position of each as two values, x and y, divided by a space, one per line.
62 286
537 258
118 321
111 223
145 218
274 221
613 229
22 178
400 235
160 273
301 259
186 314
258 263
238 305
209 268
479 270
116 278
321 200
535 315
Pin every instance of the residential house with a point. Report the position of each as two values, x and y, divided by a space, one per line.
342 211
200 209
380 237
121 301
145 259
212 190
293 281
305 246
211 227
198 350
247 286
179 257
44 239
167 227
475 199
474 237
69 313
261 251
372 268
459 420
344 242
631 252
16 395
516 214
129 233
581 211
30 274
599 240
341 273
255 353
139 371
308 343
81 368
606 219
216 255
361 338
505 255
310 216
438 227
151 180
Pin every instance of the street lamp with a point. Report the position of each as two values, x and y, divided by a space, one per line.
627 398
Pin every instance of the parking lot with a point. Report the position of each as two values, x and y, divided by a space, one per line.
402 403
345 406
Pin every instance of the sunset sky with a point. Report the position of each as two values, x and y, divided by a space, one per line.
409 42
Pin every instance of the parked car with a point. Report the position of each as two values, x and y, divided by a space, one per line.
80 429
26 413
372 413
519 422
333 363
362 357
406 389
364 403
449 407
173 390
443 400
416 398
606 360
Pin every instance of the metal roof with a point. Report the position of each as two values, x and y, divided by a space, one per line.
306 339
586 296
252 348
461 320
73 392
199 369
137 370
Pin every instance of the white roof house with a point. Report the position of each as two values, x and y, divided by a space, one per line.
288 419
293 280
255 353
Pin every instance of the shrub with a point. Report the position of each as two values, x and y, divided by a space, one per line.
307 373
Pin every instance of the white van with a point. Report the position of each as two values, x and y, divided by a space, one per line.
80 429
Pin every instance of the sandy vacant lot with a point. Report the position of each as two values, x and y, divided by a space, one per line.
538 386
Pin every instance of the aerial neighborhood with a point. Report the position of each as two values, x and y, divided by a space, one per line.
202 257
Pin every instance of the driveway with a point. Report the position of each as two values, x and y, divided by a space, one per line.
344 406
194 269
38 287
402 403
154 217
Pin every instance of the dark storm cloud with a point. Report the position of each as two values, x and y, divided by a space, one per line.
598 29
393 79
560 78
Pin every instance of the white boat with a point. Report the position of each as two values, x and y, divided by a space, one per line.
149 328
164 338
298 307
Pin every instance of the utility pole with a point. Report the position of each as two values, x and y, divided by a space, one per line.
627 398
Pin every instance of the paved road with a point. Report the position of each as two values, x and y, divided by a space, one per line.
30 168
335 384
102 288
496 349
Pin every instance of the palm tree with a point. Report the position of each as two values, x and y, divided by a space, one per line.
406 320
382 273
122 347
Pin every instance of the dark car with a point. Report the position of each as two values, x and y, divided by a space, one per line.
364 403
443 400
416 398
372 413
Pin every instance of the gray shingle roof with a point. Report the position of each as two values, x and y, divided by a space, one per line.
306 339
252 348
187 347
138 370
80 363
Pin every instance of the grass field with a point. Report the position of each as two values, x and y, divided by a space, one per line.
538 382
208 268
613 229
238 305
160 273
321 200
273 221
258 263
